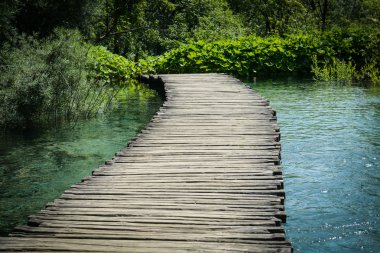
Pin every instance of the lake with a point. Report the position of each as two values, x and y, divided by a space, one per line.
330 158
36 166
330 136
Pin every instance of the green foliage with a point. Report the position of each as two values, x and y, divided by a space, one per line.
113 69
370 72
343 71
116 70
139 28
8 8
334 55
346 72
354 44
273 17
218 25
50 80
321 73
252 54
356 55
336 70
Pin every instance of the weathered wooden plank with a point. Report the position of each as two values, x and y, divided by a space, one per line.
194 197
138 205
46 244
126 220
199 180
175 191
205 171
190 160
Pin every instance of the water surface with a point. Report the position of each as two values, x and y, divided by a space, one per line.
330 157
36 166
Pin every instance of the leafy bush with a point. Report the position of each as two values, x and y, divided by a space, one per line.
245 56
113 69
60 78
355 55
252 55
63 78
354 44
220 24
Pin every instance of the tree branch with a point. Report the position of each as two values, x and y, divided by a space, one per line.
128 31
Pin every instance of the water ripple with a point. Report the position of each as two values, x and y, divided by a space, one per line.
330 153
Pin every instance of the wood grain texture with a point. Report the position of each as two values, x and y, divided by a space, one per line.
203 176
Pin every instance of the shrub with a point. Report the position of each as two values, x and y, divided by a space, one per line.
337 70
370 72
52 80
245 56
113 69
252 55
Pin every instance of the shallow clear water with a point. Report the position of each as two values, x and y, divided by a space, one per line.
330 137
37 166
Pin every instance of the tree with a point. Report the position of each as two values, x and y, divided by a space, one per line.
136 28
329 13
272 16
8 10
320 10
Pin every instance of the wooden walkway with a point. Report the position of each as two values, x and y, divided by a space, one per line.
202 177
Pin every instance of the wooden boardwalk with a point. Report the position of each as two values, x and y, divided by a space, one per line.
203 176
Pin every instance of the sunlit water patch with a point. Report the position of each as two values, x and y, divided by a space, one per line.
330 157
37 166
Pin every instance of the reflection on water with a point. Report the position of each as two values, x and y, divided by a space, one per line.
330 158
37 166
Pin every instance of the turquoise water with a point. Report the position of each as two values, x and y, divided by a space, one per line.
330 137
36 166
330 157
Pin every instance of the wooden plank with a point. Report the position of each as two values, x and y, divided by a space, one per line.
203 176
45 244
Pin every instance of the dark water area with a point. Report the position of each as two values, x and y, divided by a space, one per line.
330 136
36 166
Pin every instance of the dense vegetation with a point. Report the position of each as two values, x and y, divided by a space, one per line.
55 79
252 55
62 60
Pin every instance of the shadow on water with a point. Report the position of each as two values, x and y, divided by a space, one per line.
330 157
37 165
